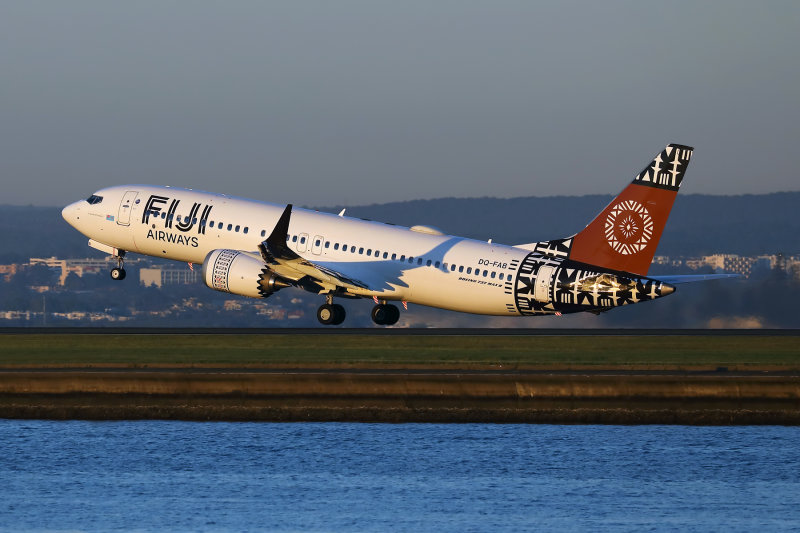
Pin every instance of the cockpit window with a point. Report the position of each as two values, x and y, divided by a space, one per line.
94 199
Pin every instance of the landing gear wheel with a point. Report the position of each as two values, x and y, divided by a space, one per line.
394 315
118 274
326 314
385 314
338 314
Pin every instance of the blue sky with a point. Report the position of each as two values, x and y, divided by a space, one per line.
354 102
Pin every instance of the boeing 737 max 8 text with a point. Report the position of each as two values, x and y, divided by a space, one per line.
255 248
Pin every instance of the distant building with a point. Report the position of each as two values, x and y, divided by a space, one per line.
159 277
8 271
78 266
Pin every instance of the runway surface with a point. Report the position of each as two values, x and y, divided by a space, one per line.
500 332
188 370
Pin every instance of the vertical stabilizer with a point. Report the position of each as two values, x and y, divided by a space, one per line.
624 236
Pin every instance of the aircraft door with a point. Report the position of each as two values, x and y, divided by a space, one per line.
316 244
544 278
302 242
125 207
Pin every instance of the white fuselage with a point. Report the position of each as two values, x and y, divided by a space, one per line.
184 225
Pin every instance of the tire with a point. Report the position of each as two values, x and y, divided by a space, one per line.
392 315
326 314
339 314
117 274
379 314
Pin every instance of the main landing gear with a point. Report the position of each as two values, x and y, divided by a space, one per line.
118 274
329 313
385 314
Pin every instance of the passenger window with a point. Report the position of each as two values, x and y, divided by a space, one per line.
385 255
403 258
336 246
469 270
493 274
264 233
394 256
419 261
237 229
361 251
410 260
230 226
437 265
194 221
245 230
317 242
302 240
327 244
352 249
500 276
369 251
452 268
428 262
294 238
164 215
288 238
461 268
485 273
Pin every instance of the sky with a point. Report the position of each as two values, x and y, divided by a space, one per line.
356 102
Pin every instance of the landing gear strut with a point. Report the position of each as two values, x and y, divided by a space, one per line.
329 313
118 274
385 314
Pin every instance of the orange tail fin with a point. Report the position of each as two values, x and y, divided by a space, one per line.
624 236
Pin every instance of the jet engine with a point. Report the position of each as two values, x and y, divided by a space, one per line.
237 272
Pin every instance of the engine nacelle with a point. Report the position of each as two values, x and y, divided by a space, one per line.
240 273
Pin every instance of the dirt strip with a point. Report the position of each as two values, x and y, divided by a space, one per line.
374 396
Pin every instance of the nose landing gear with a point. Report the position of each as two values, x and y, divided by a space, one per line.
118 274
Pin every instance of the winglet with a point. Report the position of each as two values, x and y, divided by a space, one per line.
281 229
276 242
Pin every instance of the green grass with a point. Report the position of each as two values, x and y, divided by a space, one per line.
140 350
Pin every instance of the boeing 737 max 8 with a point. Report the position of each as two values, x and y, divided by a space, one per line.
255 248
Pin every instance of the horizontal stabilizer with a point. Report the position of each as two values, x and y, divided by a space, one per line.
691 278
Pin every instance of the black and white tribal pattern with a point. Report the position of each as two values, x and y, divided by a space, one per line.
572 287
667 169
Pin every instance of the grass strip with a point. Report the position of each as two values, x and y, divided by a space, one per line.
266 350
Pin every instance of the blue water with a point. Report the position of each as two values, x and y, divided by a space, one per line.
182 476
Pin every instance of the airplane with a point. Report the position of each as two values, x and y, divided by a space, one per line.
255 249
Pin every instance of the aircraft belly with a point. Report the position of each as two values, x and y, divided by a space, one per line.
449 290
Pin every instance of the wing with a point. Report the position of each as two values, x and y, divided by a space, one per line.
691 278
286 263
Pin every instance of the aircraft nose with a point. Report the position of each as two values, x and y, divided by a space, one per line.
71 213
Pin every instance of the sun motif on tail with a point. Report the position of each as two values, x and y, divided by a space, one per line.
628 227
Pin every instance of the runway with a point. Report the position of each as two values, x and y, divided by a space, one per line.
388 331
